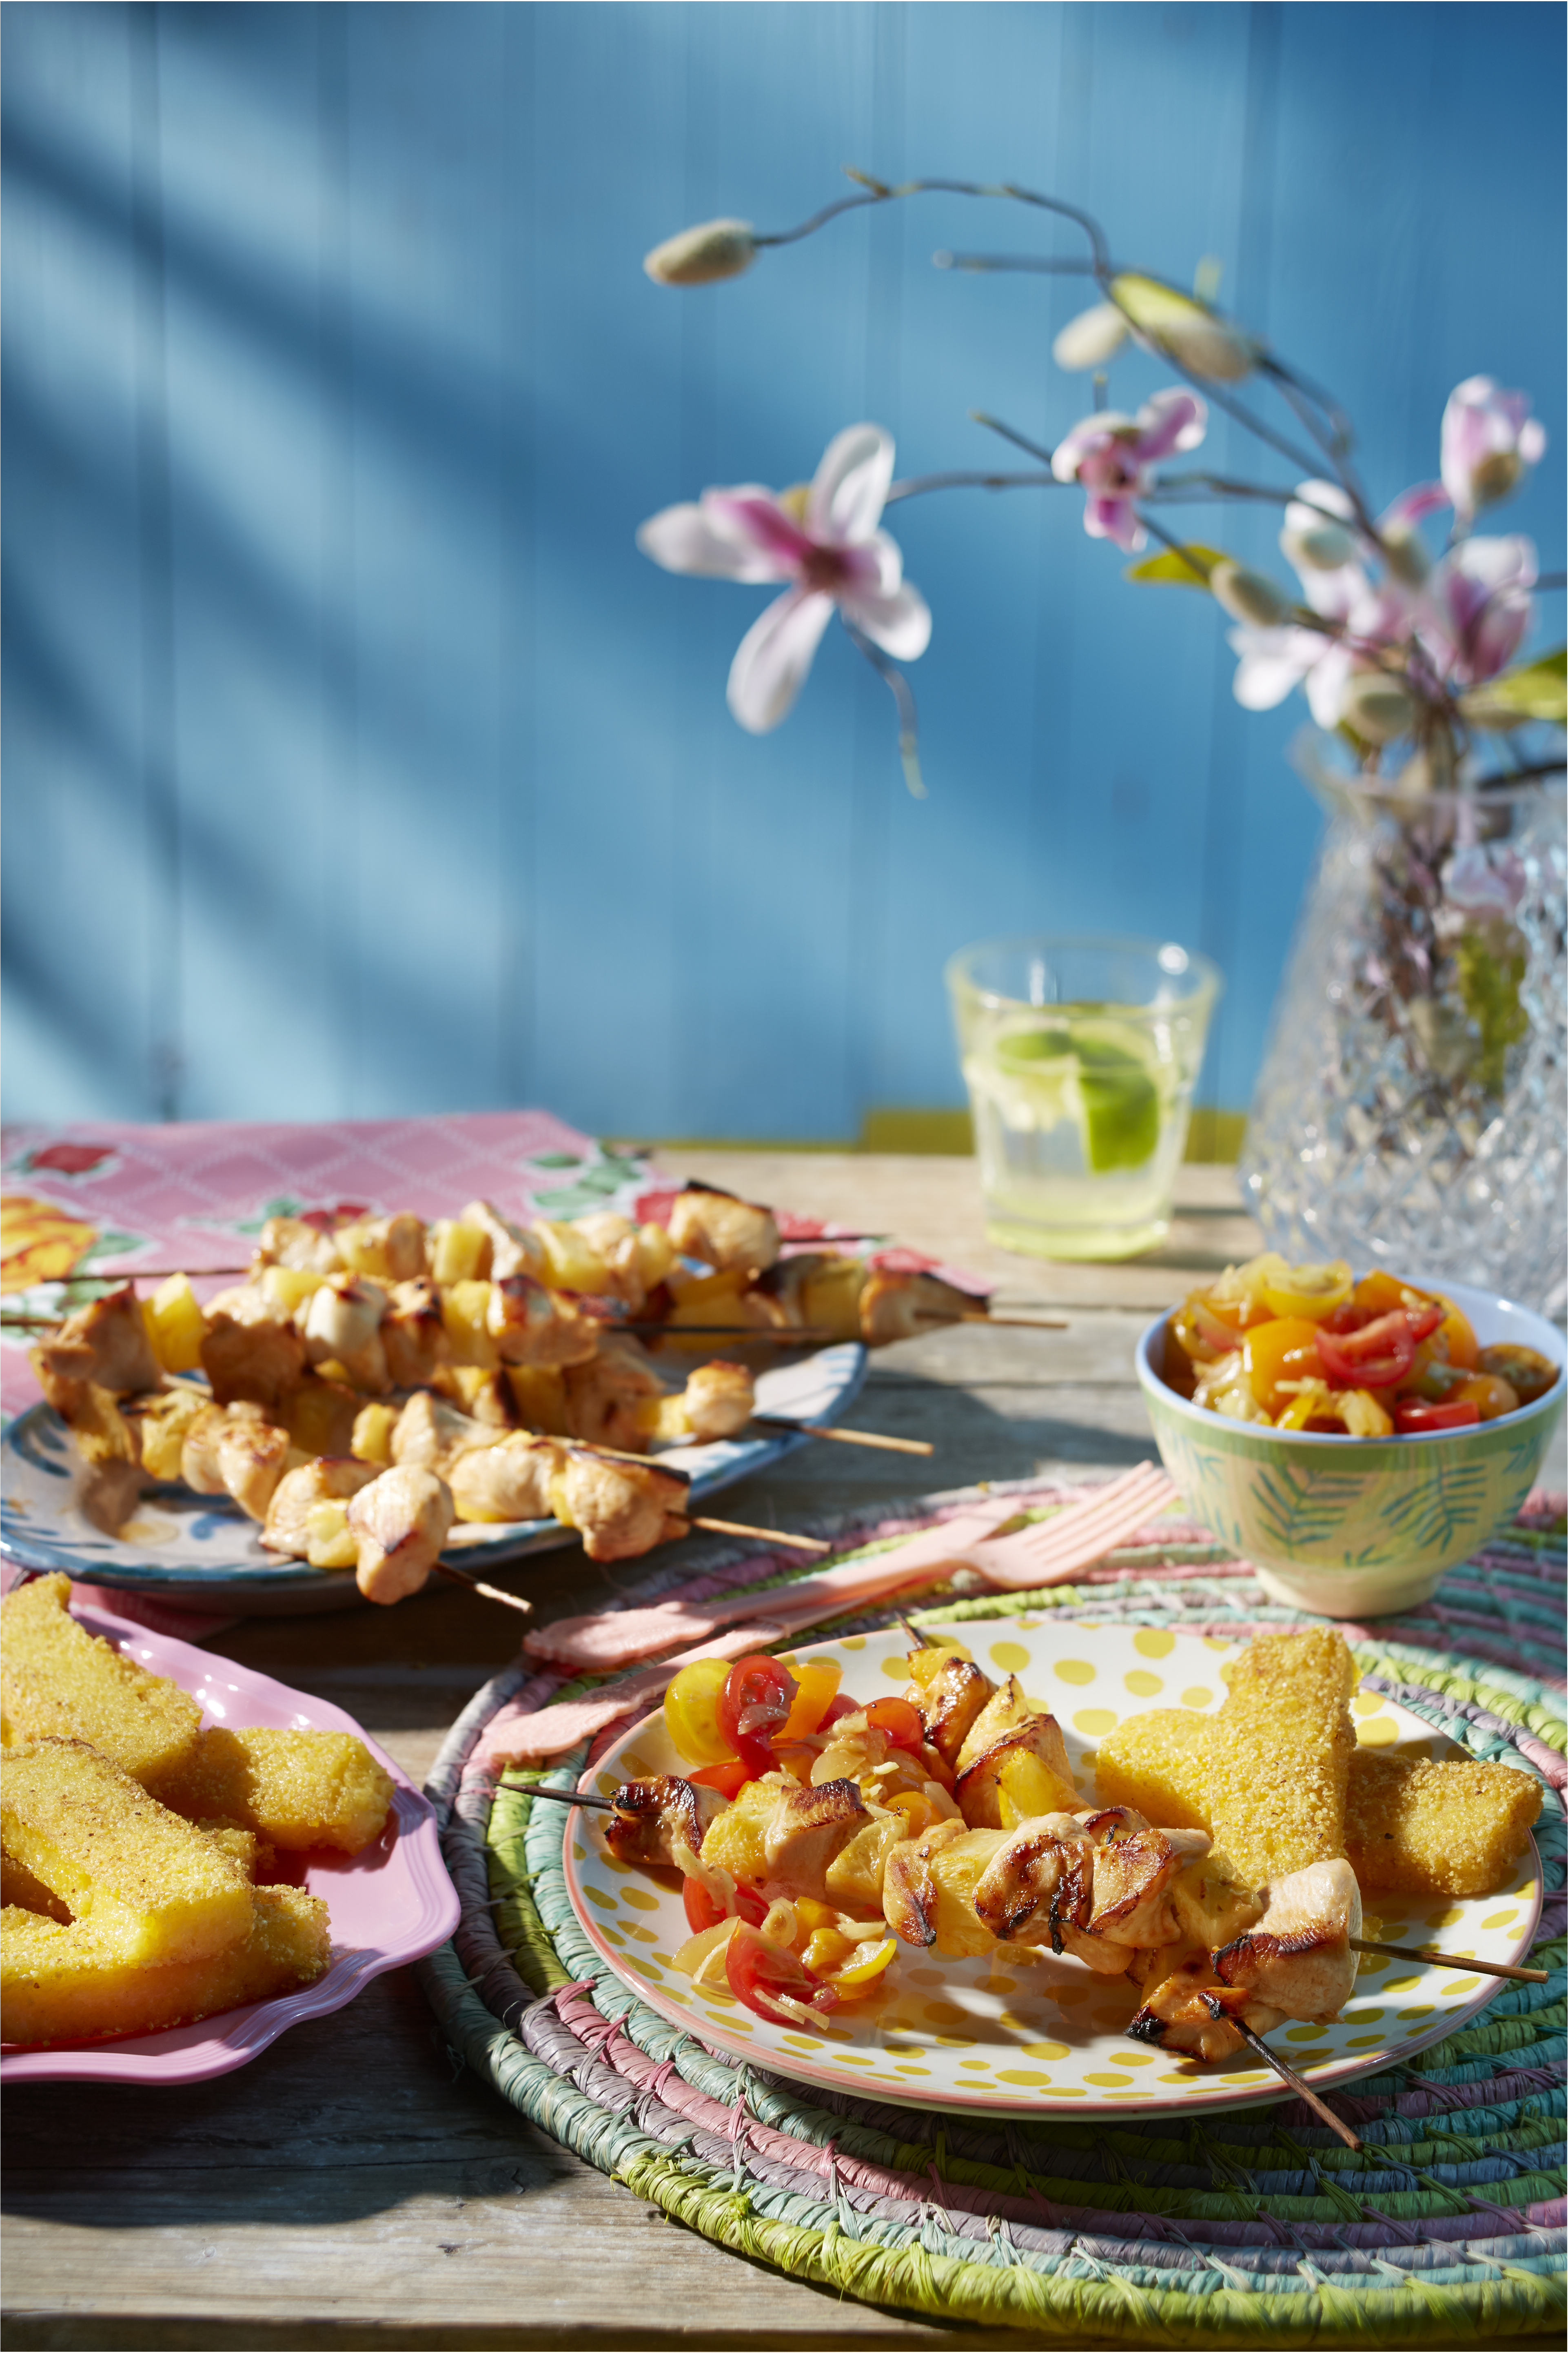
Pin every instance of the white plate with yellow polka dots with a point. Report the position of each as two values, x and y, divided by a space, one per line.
1011 2035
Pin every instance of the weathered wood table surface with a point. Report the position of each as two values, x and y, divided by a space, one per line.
346 2189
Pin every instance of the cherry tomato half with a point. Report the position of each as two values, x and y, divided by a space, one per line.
701 1912
729 1777
900 1719
1381 1353
1412 1415
759 1972
753 1705
691 1711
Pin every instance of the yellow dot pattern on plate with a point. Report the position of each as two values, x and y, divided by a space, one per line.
1151 1643
1426 2009
1109 2082
634 1768
896 1669
1133 2058
1377 1732
1366 1703
1020 2076
1046 2051
945 2013
1011 1657
643 1936
1142 1685
1075 1671
596 1896
1459 1985
911 2071
1095 1721
1501 1919
1198 1696
579 1854
1297 2034
611 1937
639 1899
1363 2042
852 1643
981 2063
1400 1984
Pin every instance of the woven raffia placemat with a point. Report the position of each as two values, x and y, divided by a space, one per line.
1253 2227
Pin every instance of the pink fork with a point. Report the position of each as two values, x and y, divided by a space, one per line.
1053 1550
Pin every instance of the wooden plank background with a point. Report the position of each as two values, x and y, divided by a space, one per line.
356 760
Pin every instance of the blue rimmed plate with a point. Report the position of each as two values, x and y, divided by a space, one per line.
200 1551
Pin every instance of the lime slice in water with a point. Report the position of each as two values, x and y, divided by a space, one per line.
1107 1067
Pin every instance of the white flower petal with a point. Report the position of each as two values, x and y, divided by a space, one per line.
847 497
1272 662
1326 683
899 624
1090 339
694 538
886 567
773 657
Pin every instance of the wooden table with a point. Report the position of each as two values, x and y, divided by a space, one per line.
348 2189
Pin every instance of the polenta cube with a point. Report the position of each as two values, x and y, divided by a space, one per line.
1280 1753
295 1789
137 1875
1453 1827
75 1984
58 1682
1158 1764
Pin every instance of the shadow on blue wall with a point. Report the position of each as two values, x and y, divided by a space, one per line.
356 760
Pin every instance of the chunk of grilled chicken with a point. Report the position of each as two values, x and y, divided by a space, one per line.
654 1819
388 1250
896 1306
604 1397
513 1249
1026 1767
201 1442
1007 1707
332 1479
724 1232
431 1435
805 1830
104 1434
412 1334
105 1343
342 1326
620 1510
250 1353
1297 1962
508 1480
717 1401
292 1242
252 1457
950 1698
532 1326
162 1419
400 1521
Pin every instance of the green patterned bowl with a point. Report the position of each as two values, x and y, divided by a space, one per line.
1358 1527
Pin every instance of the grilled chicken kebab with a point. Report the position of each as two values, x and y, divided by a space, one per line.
949 1818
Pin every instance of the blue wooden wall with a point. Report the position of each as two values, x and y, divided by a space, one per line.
355 760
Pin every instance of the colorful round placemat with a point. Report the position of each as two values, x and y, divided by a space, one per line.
1252 2227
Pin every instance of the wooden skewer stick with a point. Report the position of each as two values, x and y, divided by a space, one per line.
1303 2089
782 1336
573 1798
1450 1960
1008 1322
764 1535
844 1437
490 1592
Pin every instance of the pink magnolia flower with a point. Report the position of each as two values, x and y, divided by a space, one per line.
1489 437
827 545
1318 539
1476 607
1114 456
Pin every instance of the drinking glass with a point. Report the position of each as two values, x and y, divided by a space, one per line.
1080 1056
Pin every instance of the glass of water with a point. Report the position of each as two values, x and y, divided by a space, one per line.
1080 1057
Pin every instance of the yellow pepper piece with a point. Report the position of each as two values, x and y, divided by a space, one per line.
815 1690
1309 1291
866 1963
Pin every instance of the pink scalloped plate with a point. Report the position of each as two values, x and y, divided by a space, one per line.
390 1903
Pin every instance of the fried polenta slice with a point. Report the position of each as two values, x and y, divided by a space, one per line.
1456 1827
75 1985
295 1789
141 1878
58 1682
1280 1753
20 1890
1158 1764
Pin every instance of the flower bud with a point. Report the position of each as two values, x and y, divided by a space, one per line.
1321 547
1185 330
1249 597
1377 706
1090 339
1405 554
696 257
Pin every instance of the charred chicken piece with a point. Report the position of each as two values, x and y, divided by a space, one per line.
805 1830
342 1326
654 1819
1297 1962
950 1698
606 1397
928 1888
105 1343
724 1232
513 1249
400 1521
251 1460
895 1306
531 1325
331 1480
717 1401
294 1241
412 1334
508 1480
201 1442
620 1510
431 1434
250 1354
614 1239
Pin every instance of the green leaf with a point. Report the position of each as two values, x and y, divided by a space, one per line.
1172 565
1537 691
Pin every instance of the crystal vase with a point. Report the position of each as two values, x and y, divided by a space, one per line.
1411 1108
